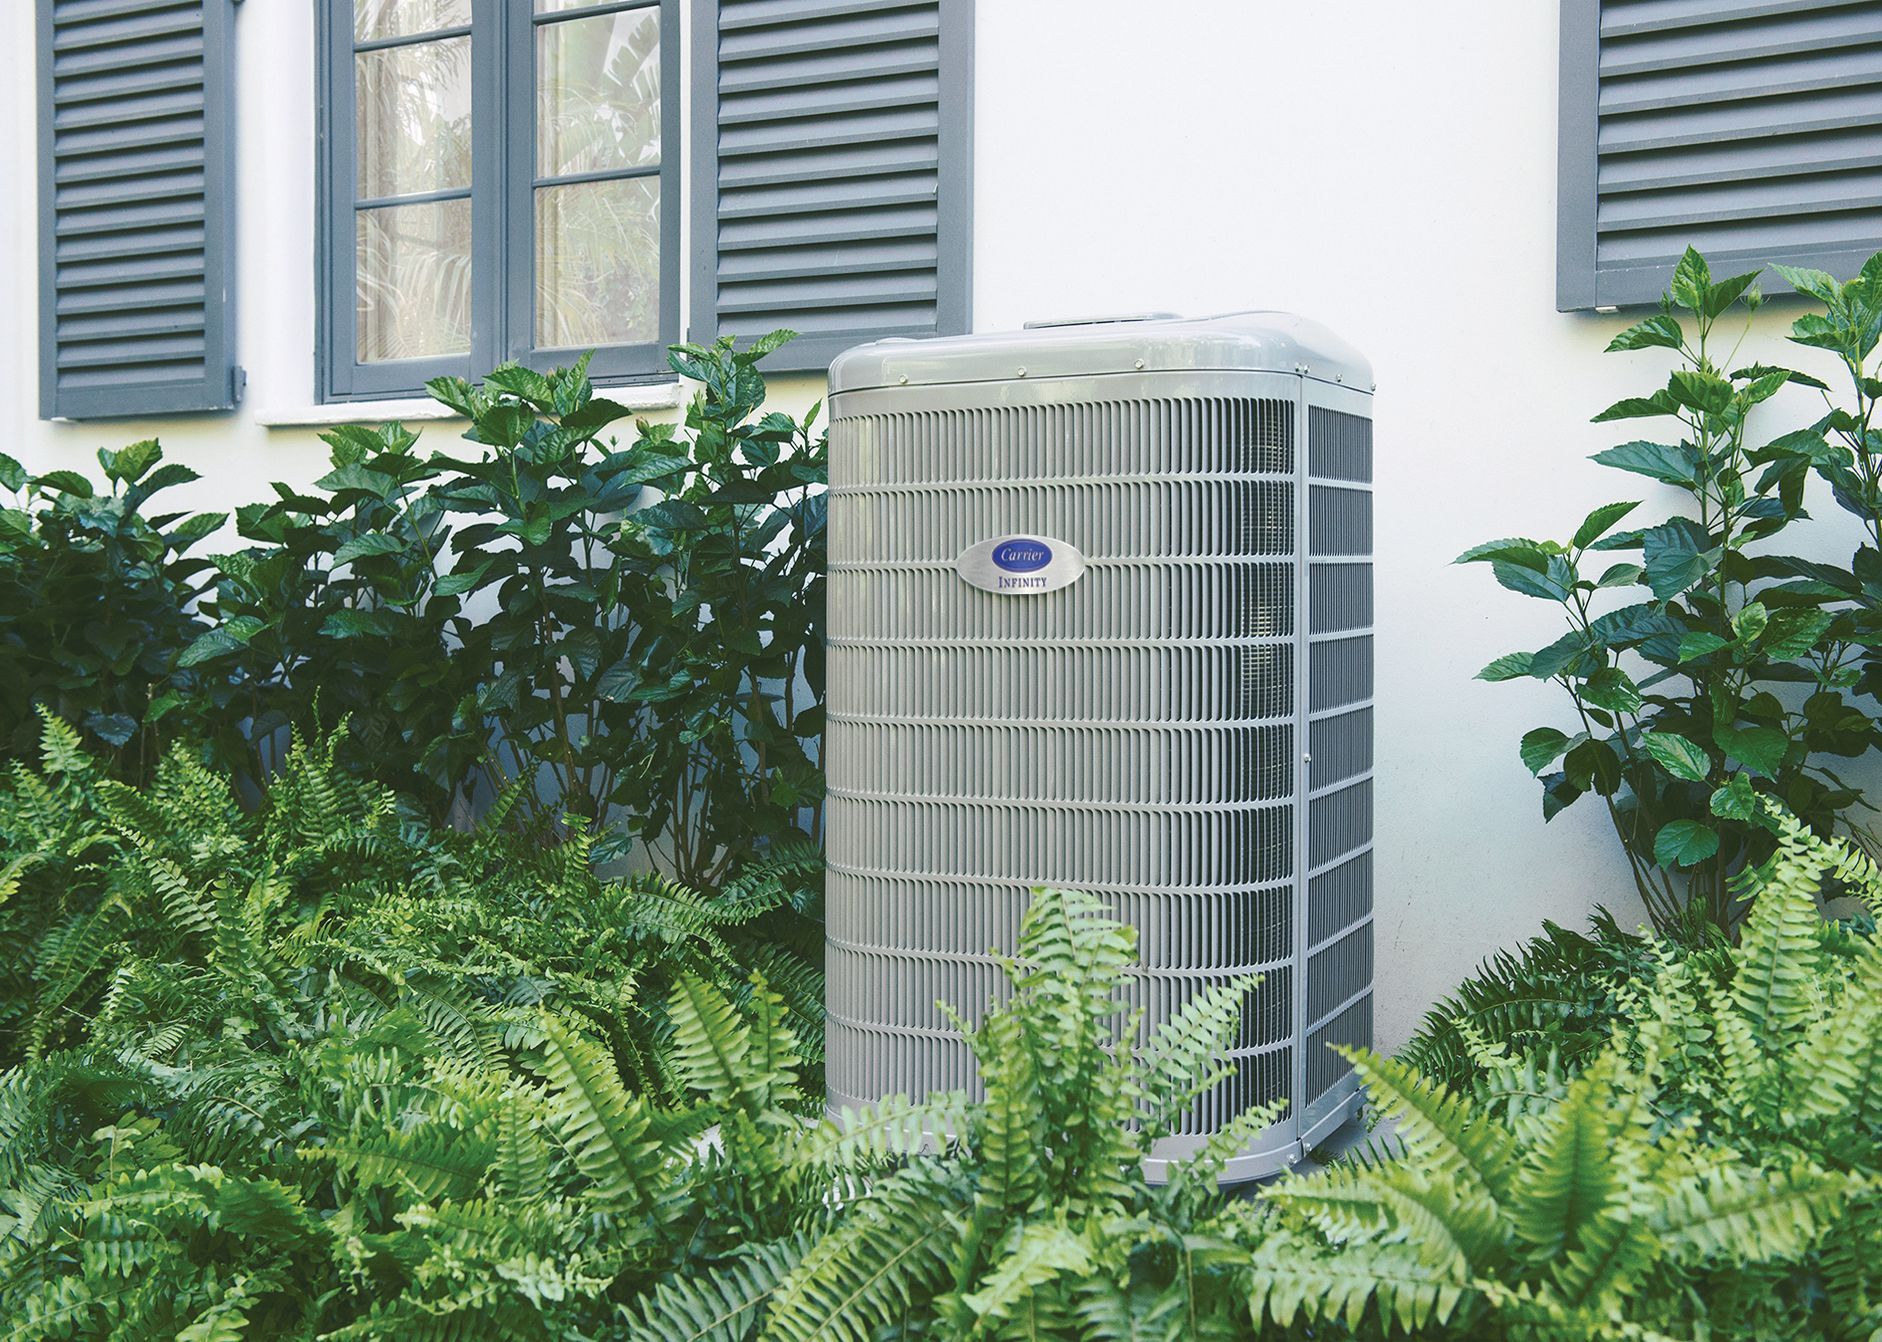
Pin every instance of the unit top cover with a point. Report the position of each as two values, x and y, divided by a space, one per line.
1276 342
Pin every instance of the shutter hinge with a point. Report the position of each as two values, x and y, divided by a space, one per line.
238 383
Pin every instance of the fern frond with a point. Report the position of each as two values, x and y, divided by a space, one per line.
711 1045
1039 1252
1186 1052
1567 1178
1750 1215
719 1305
891 1251
605 1127
1772 988
1442 1129
1293 1279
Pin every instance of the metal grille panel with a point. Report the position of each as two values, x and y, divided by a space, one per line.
1137 734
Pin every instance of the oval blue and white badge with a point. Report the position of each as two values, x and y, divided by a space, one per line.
1020 565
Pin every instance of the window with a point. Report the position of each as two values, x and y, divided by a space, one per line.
498 182
1748 130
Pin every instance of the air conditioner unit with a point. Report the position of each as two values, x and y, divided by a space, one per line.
1100 609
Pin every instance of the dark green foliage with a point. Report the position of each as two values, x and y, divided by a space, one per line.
633 631
1034 1220
318 1069
1559 991
333 611
1709 1171
728 604
1722 660
95 596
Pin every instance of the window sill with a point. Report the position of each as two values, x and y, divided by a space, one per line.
418 409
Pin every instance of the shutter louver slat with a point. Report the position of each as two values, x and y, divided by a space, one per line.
831 185
134 214
1752 131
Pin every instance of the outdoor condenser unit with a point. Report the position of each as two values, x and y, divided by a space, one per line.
1100 614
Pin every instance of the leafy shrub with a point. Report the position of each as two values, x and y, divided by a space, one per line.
1709 1172
334 611
95 604
650 661
1723 631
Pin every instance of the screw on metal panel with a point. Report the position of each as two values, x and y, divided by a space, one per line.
903 379
1301 368
1307 755
1022 370
1140 363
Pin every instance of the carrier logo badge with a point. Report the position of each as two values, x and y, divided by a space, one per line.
1020 565
1022 556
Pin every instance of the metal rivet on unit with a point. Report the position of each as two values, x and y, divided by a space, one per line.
1022 370
903 379
1140 364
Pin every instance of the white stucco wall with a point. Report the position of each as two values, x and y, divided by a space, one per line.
1385 168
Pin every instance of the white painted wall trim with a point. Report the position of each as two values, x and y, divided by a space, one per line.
640 396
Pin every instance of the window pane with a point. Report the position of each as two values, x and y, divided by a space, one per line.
598 93
374 19
414 118
598 263
414 280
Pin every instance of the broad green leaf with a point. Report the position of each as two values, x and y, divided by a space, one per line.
1558 794
1818 284
1792 633
1700 643
1678 554
1684 843
1621 575
1705 392
1660 331
460 581
618 683
1692 281
1750 622
1639 407
66 482
1726 292
1593 766
129 464
12 474
1565 654
1669 463
1511 549
1611 688
1556 584
1737 800
372 543
1759 749
1677 755
1598 522
1510 666
114 729
1542 747
765 344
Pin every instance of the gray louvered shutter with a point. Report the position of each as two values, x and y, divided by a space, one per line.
1751 129
831 171
135 175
